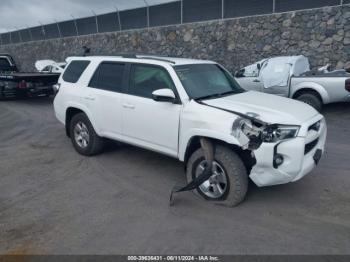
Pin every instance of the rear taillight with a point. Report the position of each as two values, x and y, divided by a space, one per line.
56 87
347 85
22 84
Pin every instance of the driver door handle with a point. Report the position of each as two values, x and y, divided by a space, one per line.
90 98
128 106
256 81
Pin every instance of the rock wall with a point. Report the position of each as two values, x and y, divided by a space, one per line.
323 35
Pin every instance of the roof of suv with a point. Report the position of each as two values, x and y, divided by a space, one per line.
174 61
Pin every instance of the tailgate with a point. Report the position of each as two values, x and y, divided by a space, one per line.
37 78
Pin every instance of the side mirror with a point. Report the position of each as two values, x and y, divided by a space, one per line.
240 73
258 66
164 95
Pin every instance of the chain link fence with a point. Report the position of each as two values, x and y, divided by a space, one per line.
172 13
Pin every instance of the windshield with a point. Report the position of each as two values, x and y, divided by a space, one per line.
205 81
5 65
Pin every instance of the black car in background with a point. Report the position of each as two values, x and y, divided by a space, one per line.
15 84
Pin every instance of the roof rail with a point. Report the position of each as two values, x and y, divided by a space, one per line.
161 58
157 59
125 55
134 55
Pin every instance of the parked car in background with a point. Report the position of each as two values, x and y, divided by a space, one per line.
50 66
291 77
194 111
20 84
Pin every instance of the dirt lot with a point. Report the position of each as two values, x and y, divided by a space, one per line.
54 201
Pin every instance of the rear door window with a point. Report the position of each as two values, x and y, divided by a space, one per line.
108 76
75 70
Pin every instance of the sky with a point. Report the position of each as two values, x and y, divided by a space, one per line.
18 14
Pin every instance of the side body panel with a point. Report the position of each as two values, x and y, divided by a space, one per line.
331 89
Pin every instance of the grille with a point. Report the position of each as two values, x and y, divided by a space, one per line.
310 146
316 127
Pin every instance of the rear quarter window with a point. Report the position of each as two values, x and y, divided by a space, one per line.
74 71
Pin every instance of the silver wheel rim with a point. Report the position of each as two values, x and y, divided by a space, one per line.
215 187
81 135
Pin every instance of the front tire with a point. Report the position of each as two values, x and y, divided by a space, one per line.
312 100
229 184
84 138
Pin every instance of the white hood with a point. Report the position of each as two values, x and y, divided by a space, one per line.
57 67
270 108
41 64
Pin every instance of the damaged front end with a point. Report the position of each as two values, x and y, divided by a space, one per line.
248 134
251 133
283 153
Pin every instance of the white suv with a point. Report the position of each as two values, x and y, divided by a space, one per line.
194 111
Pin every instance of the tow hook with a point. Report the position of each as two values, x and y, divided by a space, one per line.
209 153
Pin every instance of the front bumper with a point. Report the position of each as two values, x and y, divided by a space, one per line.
300 156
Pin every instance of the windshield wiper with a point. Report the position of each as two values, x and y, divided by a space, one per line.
216 95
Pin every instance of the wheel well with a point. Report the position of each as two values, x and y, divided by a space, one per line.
307 91
70 113
246 155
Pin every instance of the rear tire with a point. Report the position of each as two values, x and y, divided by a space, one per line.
312 100
84 138
233 177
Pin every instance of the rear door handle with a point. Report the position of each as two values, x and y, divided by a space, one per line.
129 106
89 98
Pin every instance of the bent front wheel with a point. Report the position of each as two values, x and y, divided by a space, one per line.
228 184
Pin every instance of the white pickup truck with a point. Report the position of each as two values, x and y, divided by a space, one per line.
194 111
290 76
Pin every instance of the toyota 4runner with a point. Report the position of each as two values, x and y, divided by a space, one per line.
194 111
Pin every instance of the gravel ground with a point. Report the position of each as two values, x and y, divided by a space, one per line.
54 201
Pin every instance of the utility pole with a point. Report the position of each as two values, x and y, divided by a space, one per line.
119 20
58 28
75 24
19 35
42 30
147 6
182 11
96 21
222 9
30 33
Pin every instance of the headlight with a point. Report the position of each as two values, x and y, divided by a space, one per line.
248 135
274 133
